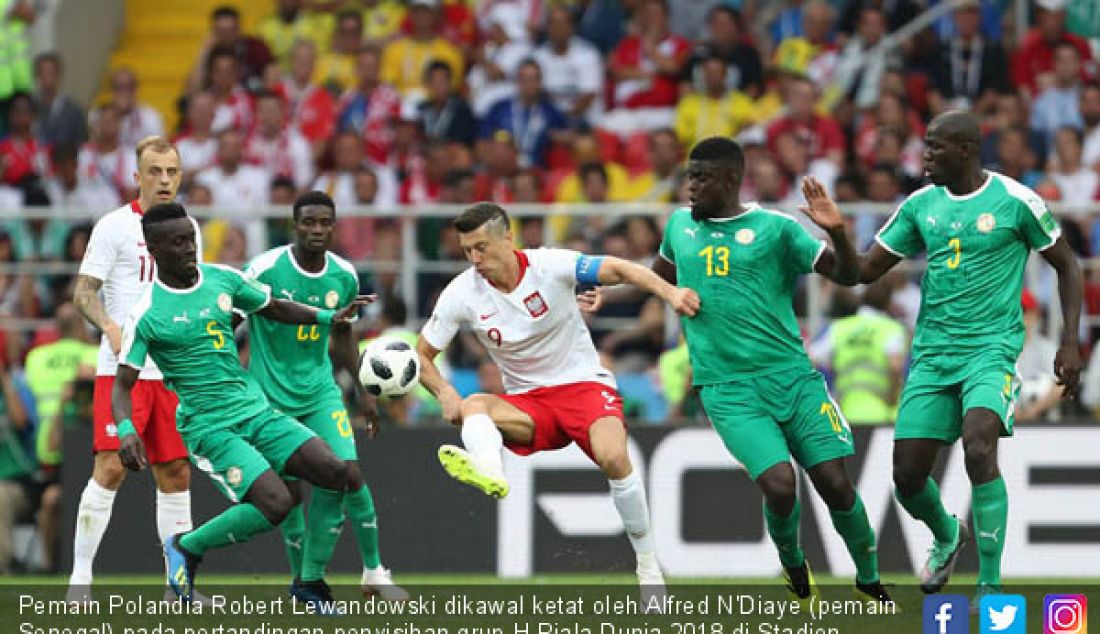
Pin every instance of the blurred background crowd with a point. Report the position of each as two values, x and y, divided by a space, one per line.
392 104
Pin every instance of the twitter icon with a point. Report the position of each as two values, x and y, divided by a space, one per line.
1003 614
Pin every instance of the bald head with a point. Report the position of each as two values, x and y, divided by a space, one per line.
957 127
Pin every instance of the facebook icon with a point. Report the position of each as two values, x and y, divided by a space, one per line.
946 614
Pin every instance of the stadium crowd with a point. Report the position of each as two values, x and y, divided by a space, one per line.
385 103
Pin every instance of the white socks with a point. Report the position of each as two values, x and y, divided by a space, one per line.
629 497
173 513
92 517
482 439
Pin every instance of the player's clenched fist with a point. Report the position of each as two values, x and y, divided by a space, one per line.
684 301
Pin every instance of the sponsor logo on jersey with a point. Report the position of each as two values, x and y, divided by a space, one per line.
233 476
535 304
745 236
986 223
225 302
332 298
204 313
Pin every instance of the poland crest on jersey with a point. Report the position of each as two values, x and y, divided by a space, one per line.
535 304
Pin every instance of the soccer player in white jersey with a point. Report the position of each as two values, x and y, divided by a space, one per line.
521 307
117 262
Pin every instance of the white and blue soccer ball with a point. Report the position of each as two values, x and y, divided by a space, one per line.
389 367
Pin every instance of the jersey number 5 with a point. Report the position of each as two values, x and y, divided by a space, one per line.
212 330
721 268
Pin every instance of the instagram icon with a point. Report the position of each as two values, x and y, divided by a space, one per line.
1065 614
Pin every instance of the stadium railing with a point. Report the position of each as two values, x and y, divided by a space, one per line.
411 264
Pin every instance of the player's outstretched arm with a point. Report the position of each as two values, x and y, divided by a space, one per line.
1067 362
430 378
618 271
131 450
290 312
86 299
841 263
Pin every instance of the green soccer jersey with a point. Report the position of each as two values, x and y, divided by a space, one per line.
291 361
744 269
977 247
189 335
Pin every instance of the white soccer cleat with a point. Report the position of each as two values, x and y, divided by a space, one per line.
378 582
652 584
468 469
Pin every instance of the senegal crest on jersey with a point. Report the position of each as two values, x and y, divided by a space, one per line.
986 223
224 302
745 236
332 298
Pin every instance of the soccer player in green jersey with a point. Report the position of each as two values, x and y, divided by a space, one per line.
756 382
977 229
184 322
291 364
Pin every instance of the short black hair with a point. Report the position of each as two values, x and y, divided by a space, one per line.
313 198
394 309
479 214
225 11
438 65
720 149
592 167
161 212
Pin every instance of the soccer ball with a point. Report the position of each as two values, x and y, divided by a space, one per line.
389 367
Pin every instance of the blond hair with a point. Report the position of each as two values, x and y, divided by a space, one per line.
155 143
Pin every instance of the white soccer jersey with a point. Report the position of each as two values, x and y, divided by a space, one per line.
535 334
117 256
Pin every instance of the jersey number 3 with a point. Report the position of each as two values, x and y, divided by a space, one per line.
956 247
718 260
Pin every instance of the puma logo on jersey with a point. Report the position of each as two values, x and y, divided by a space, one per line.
181 319
931 221
991 535
288 294
690 231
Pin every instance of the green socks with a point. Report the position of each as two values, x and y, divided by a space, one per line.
234 525
324 525
784 533
859 537
364 521
293 529
989 506
927 507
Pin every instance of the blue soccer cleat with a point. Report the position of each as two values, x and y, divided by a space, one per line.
181 568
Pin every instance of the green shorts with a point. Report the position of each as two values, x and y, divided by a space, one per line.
940 390
765 420
330 421
235 456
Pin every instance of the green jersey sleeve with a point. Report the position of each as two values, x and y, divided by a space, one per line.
250 295
803 248
666 250
1038 226
135 342
901 235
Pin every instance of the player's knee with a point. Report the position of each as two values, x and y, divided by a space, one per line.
275 503
981 457
355 476
336 474
173 477
108 471
779 487
475 404
614 462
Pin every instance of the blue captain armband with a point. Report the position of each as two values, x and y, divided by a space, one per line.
588 269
